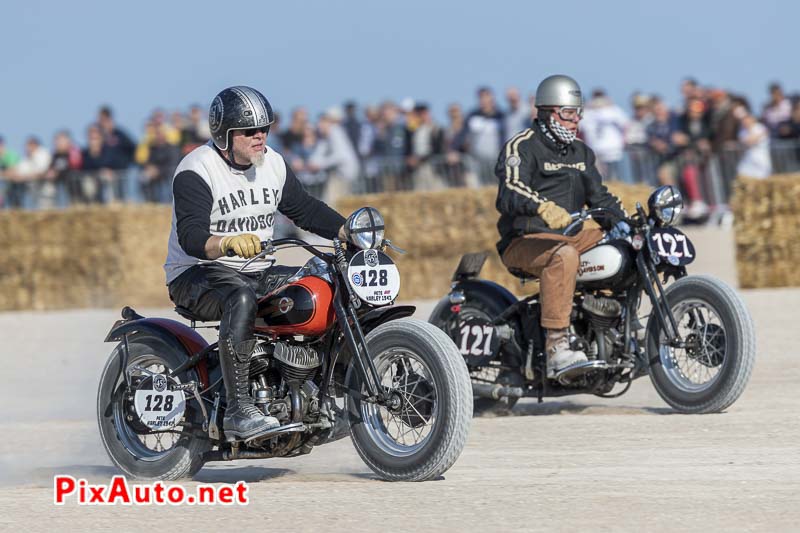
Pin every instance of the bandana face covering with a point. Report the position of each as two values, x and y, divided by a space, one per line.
561 133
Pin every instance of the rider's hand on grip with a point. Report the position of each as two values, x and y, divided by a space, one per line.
246 245
554 216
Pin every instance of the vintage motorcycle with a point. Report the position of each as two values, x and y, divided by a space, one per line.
698 345
334 357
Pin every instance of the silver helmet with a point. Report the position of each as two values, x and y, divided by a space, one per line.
238 108
559 91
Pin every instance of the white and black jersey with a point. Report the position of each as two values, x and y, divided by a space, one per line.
215 197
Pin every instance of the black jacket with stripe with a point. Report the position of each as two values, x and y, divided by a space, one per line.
533 169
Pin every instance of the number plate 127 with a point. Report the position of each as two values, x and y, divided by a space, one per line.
672 245
476 338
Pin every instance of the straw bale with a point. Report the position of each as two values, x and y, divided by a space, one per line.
767 230
110 256
85 256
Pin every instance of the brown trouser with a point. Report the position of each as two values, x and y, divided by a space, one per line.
555 260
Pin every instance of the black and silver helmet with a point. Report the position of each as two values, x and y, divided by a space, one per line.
237 108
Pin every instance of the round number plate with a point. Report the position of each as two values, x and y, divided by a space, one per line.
158 407
374 277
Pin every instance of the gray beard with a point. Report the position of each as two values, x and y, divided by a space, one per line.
258 159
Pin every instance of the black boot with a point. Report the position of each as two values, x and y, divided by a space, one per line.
243 420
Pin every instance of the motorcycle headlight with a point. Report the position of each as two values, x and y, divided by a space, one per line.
665 205
365 228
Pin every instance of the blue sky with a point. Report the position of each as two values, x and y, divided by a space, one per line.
61 60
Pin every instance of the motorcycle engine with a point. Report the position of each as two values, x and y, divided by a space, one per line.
281 372
603 316
603 312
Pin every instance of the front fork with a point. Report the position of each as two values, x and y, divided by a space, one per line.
344 305
658 299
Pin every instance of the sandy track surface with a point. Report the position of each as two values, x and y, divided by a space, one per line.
623 464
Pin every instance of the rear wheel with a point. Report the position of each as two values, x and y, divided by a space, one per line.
138 452
711 372
492 373
423 428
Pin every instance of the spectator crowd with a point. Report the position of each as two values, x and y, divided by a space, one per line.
701 146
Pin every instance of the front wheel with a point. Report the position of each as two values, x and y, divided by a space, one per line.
711 372
423 428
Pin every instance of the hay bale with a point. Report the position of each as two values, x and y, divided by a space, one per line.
84 256
110 256
767 230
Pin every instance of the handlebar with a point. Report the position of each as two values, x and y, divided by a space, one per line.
579 217
269 247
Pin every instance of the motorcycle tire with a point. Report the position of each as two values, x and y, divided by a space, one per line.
728 348
184 458
484 308
442 387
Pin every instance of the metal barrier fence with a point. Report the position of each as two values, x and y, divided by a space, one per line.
707 176
79 187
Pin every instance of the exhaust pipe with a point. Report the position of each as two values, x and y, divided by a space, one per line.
496 392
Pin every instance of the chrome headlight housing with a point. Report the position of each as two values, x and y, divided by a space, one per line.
365 228
665 205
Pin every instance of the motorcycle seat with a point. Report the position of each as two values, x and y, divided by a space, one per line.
188 314
521 274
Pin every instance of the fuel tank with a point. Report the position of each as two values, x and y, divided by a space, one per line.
302 307
606 265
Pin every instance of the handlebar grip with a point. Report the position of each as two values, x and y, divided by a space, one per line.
264 246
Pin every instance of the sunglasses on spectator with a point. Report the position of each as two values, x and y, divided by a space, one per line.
570 114
252 131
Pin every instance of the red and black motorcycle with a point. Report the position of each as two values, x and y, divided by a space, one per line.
334 357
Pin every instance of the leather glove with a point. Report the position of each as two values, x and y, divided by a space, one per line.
554 216
246 245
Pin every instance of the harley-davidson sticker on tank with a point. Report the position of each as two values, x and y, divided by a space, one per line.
599 263
374 277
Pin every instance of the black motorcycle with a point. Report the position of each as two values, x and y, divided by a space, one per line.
698 343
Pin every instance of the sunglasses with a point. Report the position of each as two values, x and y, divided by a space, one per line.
252 131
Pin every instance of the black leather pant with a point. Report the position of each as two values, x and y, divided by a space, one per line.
216 292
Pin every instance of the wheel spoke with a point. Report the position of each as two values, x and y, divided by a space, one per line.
406 375
697 366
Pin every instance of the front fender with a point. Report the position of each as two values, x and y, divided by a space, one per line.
375 317
170 331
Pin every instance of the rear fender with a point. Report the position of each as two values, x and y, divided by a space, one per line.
478 289
171 331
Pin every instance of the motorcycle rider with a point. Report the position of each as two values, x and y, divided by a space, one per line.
545 173
226 194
